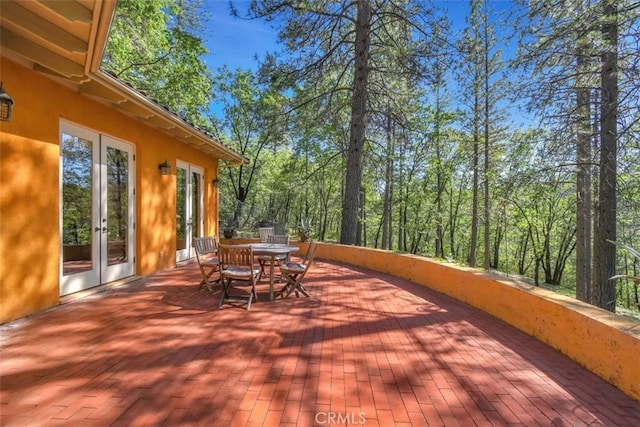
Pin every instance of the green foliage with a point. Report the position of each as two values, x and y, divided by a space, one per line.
254 126
152 46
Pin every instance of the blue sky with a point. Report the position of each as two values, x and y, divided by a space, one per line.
235 42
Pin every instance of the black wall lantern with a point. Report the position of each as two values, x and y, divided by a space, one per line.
165 168
215 182
6 105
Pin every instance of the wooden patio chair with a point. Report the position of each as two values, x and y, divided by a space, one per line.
265 260
294 272
236 264
265 232
207 257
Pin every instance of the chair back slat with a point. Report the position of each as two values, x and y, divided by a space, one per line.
206 245
236 265
278 238
235 255
311 253
206 249
265 232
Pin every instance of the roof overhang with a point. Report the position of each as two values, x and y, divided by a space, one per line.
65 40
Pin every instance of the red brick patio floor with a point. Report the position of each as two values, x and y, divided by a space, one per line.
365 349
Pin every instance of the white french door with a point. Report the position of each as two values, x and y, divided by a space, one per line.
189 208
97 209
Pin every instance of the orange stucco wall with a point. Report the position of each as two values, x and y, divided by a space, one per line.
29 187
606 344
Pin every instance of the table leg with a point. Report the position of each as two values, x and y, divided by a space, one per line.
273 261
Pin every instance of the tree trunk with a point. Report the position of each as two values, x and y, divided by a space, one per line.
403 199
361 233
487 202
522 254
583 181
604 267
473 244
387 203
439 194
454 207
351 201
497 241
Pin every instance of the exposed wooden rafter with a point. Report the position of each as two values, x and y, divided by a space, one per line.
37 54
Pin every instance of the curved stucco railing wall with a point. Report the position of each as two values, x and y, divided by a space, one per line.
606 344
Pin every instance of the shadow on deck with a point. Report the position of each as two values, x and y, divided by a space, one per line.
365 348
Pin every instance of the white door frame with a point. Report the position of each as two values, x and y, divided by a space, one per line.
183 254
118 270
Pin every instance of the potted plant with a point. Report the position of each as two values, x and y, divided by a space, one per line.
304 230
228 230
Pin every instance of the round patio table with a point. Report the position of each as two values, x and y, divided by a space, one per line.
272 250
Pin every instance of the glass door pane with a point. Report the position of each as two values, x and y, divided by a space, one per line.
77 205
117 215
117 205
189 208
196 206
181 208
